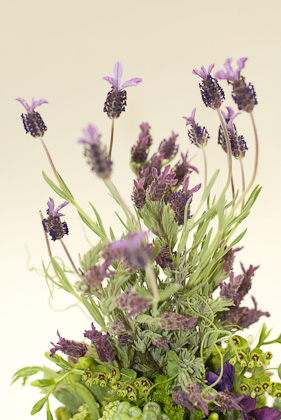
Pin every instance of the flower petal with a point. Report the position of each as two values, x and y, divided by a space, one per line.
266 413
112 81
35 103
118 72
132 82
24 103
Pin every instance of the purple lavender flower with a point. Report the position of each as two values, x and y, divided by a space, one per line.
211 92
164 258
139 194
117 327
179 199
32 121
159 183
246 283
96 154
116 99
229 290
228 259
161 343
136 252
237 143
173 321
243 95
169 148
101 343
197 134
69 347
191 396
243 316
52 224
94 277
140 150
124 340
183 168
132 302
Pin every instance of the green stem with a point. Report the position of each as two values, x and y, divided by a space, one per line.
228 146
152 280
111 139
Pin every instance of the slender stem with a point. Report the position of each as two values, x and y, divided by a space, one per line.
205 167
111 138
228 146
52 164
243 181
232 188
69 257
154 364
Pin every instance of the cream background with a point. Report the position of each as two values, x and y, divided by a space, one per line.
60 50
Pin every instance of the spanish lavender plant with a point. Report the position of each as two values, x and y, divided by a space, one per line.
163 344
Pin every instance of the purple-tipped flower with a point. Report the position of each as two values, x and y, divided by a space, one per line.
140 150
229 290
243 316
101 343
94 277
116 99
243 95
179 199
32 120
96 154
139 194
191 396
52 224
165 257
173 321
158 185
69 347
228 259
211 92
147 170
197 134
132 303
169 148
183 168
237 143
136 252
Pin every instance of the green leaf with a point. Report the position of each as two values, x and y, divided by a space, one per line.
66 187
90 225
94 311
91 257
209 186
263 335
88 398
39 405
49 414
173 363
43 382
98 219
112 236
55 188
170 290
59 361
25 372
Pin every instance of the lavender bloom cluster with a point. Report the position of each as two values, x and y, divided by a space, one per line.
161 345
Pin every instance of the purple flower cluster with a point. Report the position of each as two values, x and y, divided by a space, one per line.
179 199
116 99
52 224
69 347
159 183
191 397
183 168
197 134
243 94
101 344
132 303
32 120
140 150
237 143
95 276
211 92
95 152
164 257
173 321
168 148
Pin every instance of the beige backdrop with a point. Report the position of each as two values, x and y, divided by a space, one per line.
60 50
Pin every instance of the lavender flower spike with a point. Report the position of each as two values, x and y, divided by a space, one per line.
52 223
32 121
116 99
158 186
211 92
69 347
231 74
197 134
96 154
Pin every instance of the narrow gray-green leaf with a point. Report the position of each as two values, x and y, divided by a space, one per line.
55 188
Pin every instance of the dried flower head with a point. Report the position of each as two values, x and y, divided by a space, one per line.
243 94
101 343
211 92
52 224
116 99
132 303
69 347
32 120
96 154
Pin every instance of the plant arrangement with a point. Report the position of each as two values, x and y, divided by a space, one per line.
167 308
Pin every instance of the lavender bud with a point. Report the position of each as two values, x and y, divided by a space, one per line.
115 103
34 124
